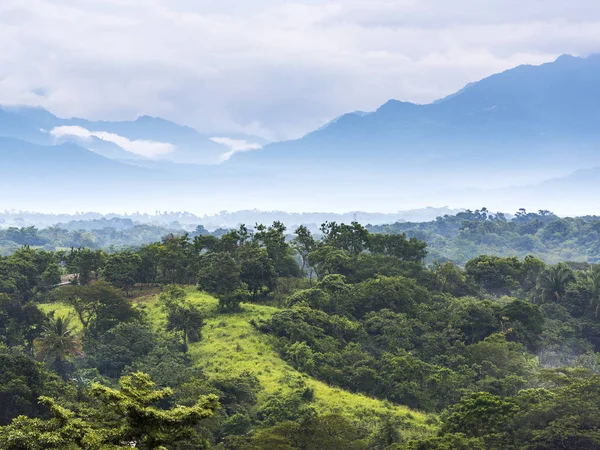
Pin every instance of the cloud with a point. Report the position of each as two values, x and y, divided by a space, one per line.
273 67
149 149
236 146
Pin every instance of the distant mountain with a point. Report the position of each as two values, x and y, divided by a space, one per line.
507 141
531 115
58 177
36 125
25 159
68 177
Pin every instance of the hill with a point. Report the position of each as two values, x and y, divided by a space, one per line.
231 346
501 351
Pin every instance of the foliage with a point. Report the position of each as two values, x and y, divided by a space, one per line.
123 418
339 334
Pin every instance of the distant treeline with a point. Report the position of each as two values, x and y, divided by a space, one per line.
113 237
464 236
457 238
224 219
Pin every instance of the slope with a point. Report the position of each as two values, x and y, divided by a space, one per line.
231 345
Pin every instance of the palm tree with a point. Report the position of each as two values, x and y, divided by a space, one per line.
593 277
58 343
552 283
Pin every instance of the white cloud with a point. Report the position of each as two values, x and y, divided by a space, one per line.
236 145
149 149
274 67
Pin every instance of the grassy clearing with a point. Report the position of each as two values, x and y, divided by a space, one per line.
62 310
230 345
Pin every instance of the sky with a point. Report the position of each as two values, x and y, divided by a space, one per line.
271 68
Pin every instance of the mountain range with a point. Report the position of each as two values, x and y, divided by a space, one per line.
511 137
127 140
525 112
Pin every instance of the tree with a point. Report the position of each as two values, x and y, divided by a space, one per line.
58 343
398 294
21 383
353 238
121 269
99 305
85 263
171 296
593 277
121 419
496 275
219 274
20 322
174 258
452 280
273 239
232 300
398 246
304 243
119 347
148 271
326 260
478 415
187 320
257 270
552 283
388 432
51 276
523 322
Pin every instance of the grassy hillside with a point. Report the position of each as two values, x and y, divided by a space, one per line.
230 345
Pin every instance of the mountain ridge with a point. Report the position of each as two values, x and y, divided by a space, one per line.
509 107
35 124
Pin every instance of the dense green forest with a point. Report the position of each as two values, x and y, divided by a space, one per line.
457 238
463 236
266 339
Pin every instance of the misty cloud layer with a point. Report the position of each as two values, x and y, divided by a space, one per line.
271 68
141 147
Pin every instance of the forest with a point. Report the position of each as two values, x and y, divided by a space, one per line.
397 337
457 238
468 234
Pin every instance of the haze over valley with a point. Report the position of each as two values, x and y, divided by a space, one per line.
505 141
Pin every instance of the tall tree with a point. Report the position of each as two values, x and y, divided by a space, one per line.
257 269
121 269
273 239
58 343
187 320
85 263
552 283
99 305
219 273
593 277
304 243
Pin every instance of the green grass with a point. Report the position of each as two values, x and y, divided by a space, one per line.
230 345
62 310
